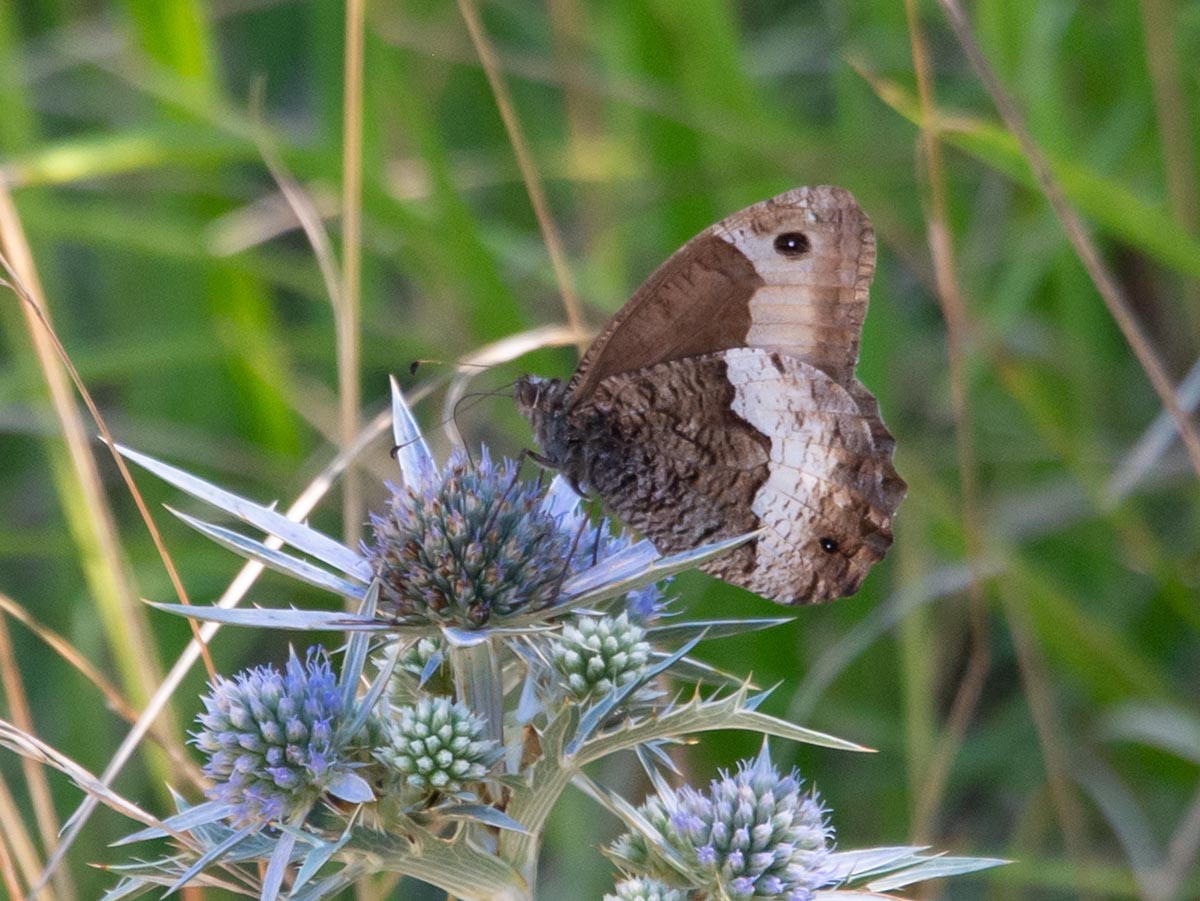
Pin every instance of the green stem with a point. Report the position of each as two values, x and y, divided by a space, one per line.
479 685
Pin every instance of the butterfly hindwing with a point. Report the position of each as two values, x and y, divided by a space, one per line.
773 444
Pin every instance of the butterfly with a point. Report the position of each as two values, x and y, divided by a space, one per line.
721 400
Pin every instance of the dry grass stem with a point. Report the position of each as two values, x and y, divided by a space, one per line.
1182 851
1055 744
35 777
45 328
1076 233
113 699
958 333
348 313
529 173
1171 109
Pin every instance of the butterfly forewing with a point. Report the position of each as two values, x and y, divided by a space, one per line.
731 286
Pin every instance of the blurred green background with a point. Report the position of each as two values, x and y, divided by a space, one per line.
131 139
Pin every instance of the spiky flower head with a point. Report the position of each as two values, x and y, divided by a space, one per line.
471 546
644 890
274 741
754 834
594 655
438 744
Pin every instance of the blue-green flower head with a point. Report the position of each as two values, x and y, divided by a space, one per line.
438 745
594 655
273 739
754 834
467 548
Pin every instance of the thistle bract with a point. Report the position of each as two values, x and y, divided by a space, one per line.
597 654
644 890
472 546
273 739
754 834
437 744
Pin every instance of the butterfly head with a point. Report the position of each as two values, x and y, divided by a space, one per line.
543 402
535 395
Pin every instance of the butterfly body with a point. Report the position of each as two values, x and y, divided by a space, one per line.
722 400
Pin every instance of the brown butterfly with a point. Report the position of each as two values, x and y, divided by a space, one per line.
721 400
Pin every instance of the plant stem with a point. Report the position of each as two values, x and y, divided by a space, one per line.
479 685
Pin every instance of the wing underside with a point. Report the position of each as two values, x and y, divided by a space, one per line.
774 445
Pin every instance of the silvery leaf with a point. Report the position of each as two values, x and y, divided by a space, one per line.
212 855
934 868
358 647
298 535
858 864
277 868
689 669
374 692
481 813
317 858
715 628
432 665
561 499
200 815
351 787
289 618
276 560
412 453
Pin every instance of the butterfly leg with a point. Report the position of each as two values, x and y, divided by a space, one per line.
566 569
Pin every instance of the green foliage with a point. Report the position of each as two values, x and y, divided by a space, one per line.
128 137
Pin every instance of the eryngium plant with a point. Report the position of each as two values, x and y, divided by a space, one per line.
501 644
469 546
276 742
752 834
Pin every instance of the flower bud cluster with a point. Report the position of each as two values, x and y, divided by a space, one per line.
438 745
273 739
594 655
754 834
645 890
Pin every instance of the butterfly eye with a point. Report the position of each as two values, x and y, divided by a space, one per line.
828 545
792 244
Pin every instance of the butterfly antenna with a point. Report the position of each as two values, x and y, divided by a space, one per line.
476 396
396 448
417 364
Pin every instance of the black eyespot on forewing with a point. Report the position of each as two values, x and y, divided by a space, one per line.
792 244
828 545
